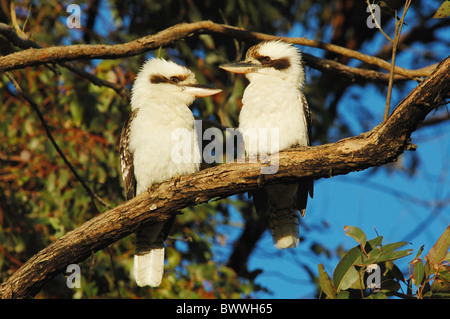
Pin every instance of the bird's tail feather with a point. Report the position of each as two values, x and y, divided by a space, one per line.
148 267
283 216
284 227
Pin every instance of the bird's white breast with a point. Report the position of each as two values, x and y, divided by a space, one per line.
273 104
154 135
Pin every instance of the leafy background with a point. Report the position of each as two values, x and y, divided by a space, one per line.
220 249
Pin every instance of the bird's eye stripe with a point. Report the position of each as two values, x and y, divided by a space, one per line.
280 64
158 78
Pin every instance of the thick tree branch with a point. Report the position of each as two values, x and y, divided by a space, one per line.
379 146
23 42
33 56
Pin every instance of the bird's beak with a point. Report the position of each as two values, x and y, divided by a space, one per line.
240 67
200 90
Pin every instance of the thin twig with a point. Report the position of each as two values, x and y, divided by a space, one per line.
12 11
397 32
33 104
369 5
391 72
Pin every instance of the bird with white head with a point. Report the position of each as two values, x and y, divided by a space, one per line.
274 100
161 96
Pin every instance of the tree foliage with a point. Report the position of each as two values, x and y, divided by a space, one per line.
41 198
428 277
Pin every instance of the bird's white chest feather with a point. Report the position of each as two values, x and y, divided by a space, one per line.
272 104
155 133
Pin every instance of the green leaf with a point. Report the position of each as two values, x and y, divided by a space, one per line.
395 255
359 282
326 284
391 247
441 283
356 233
439 250
419 252
345 273
418 272
386 253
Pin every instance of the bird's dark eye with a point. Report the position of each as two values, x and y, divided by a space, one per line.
174 79
265 60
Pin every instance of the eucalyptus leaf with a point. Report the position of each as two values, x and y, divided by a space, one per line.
439 250
356 233
326 284
378 255
418 272
345 273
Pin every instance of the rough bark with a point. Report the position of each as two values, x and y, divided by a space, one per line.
57 54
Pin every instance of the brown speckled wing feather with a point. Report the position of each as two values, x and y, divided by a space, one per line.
126 158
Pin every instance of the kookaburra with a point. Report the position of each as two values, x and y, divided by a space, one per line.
274 100
160 100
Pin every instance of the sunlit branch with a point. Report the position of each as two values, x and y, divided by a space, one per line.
33 56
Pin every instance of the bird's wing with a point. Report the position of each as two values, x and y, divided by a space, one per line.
126 158
307 112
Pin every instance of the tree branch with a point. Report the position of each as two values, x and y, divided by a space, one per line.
381 145
33 56
356 74
23 42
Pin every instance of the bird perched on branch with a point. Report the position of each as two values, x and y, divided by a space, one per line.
274 100
161 96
